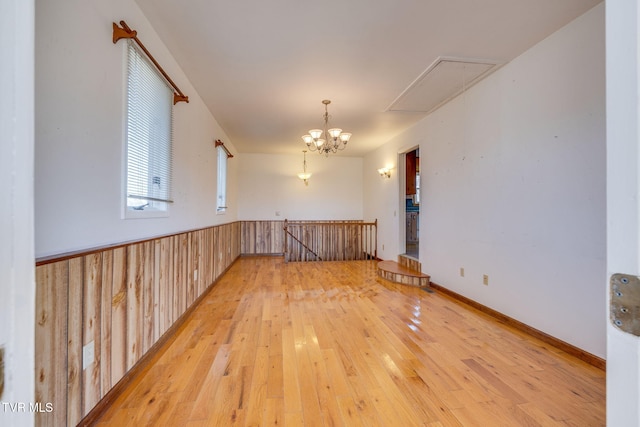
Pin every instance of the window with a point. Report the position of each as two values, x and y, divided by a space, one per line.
148 138
223 154
222 178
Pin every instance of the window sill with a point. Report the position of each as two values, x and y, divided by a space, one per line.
135 214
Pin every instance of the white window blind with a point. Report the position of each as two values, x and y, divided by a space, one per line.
149 134
222 180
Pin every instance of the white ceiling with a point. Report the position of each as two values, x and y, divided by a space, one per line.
263 67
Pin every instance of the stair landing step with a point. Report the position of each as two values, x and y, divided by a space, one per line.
394 272
409 262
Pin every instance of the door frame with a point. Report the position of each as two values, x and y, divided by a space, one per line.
17 263
622 23
402 203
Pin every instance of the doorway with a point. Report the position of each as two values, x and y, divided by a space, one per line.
412 203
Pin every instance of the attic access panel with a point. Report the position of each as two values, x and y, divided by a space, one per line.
442 81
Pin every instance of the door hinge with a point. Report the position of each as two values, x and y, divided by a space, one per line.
625 302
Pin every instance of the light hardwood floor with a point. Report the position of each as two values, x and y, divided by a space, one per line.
330 344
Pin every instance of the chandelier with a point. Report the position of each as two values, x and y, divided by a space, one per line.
304 175
337 140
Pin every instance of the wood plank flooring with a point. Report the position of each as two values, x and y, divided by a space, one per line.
330 344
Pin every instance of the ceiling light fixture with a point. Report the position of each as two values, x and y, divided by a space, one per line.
337 140
304 175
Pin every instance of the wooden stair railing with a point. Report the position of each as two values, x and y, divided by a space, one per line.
330 240
289 234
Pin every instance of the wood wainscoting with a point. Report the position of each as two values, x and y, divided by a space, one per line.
262 238
311 240
98 312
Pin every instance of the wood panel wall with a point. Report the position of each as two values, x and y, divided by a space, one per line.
330 239
121 299
262 238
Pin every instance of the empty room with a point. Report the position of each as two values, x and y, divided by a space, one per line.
339 213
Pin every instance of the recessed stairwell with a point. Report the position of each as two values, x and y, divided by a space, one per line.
407 271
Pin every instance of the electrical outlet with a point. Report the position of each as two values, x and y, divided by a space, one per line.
383 246
277 213
88 354
485 279
195 274
461 271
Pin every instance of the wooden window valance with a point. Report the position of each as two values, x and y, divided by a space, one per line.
226 150
127 33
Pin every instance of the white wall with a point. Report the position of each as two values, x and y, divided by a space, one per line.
79 133
384 198
513 186
269 184
17 282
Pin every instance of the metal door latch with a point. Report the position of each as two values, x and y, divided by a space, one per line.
625 303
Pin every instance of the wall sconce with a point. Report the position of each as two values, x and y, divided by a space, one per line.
304 175
385 172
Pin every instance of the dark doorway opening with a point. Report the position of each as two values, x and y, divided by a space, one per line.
412 203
